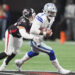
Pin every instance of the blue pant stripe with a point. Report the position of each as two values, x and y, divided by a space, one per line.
42 49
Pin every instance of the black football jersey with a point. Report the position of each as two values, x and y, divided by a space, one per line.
20 22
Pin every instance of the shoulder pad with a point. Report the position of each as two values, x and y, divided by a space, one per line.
40 16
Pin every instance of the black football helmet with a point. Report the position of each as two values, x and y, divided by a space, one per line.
28 12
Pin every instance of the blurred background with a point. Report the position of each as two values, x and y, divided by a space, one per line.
63 30
63 27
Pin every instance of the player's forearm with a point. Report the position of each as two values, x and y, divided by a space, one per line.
28 36
36 32
25 35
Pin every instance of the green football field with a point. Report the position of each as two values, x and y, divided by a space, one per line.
64 52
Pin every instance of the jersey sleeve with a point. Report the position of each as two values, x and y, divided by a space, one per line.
25 35
51 22
35 29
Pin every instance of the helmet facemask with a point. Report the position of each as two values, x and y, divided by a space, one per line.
51 14
27 13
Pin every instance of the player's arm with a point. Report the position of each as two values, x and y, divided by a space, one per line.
49 32
23 33
35 29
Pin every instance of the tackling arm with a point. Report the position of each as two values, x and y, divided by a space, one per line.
35 29
23 33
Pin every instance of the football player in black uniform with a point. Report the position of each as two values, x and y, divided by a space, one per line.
14 36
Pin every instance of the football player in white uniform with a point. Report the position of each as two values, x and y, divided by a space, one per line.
15 34
41 27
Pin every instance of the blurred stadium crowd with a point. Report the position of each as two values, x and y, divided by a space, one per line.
63 27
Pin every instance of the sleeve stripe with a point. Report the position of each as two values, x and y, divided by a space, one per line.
39 18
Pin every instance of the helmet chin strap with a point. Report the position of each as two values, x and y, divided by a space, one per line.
27 18
49 17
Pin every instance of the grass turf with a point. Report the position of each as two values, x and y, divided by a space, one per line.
64 52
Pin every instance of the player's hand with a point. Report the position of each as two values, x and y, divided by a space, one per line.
48 32
20 27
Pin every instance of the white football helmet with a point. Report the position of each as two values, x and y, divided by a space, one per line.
50 8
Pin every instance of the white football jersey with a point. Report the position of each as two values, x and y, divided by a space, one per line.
41 21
